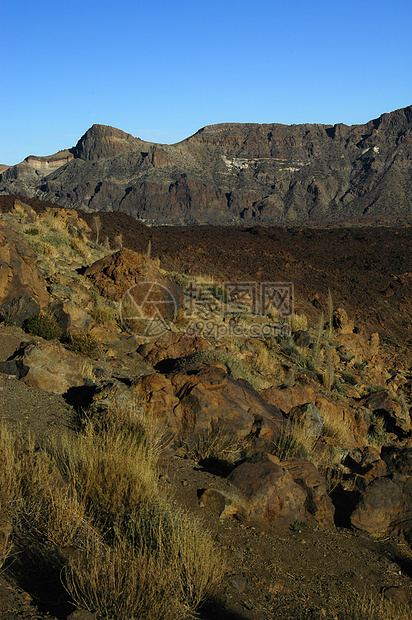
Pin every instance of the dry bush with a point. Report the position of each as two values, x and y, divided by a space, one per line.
112 473
81 247
298 322
370 607
294 441
163 564
103 314
264 361
219 444
9 488
338 428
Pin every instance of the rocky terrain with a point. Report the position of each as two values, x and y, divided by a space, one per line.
286 432
232 173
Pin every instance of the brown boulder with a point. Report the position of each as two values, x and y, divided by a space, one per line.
341 321
158 398
172 346
113 275
22 288
288 398
71 318
379 507
396 417
269 491
308 477
209 400
49 366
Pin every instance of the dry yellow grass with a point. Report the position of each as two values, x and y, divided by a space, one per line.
298 322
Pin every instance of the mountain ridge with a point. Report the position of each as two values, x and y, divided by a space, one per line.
232 173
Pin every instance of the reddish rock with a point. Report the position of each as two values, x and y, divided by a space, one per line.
287 398
308 477
269 491
206 400
51 367
71 318
211 399
22 288
397 418
172 346
379 507
157 395
113 275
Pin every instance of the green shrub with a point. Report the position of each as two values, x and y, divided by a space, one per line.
100 314
43 325
56 240
83 342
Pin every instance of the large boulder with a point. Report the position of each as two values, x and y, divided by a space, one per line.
309 478
172 346
379 508
22 288
114 274
269 491
206 399
47 365
397 418
290 397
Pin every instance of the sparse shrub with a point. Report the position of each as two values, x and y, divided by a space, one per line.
102 314
36 246
298 322
56 240
31 231
83 342
297 525
44 325
348 378
293 441
218 445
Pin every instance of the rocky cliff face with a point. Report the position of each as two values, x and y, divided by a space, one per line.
232 173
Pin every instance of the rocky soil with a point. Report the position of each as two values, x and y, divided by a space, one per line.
232 173
294 448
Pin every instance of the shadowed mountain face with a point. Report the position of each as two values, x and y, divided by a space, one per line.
232 173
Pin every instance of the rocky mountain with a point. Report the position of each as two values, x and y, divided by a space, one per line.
232 173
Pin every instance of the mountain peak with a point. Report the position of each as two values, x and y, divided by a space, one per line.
103 141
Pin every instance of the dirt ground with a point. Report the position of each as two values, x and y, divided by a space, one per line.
315 573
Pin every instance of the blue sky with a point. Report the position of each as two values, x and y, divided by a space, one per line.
162 70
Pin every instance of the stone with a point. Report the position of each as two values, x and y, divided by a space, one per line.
114 274
397 418
172 346
398 595
222 504
308 415
313 483
380 505
22 288
269 491
47 365
70 317
302 338
289 397
341 321
206 400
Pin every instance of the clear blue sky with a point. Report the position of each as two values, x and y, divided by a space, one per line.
161 70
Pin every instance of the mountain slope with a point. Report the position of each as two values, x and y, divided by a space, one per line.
232 173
